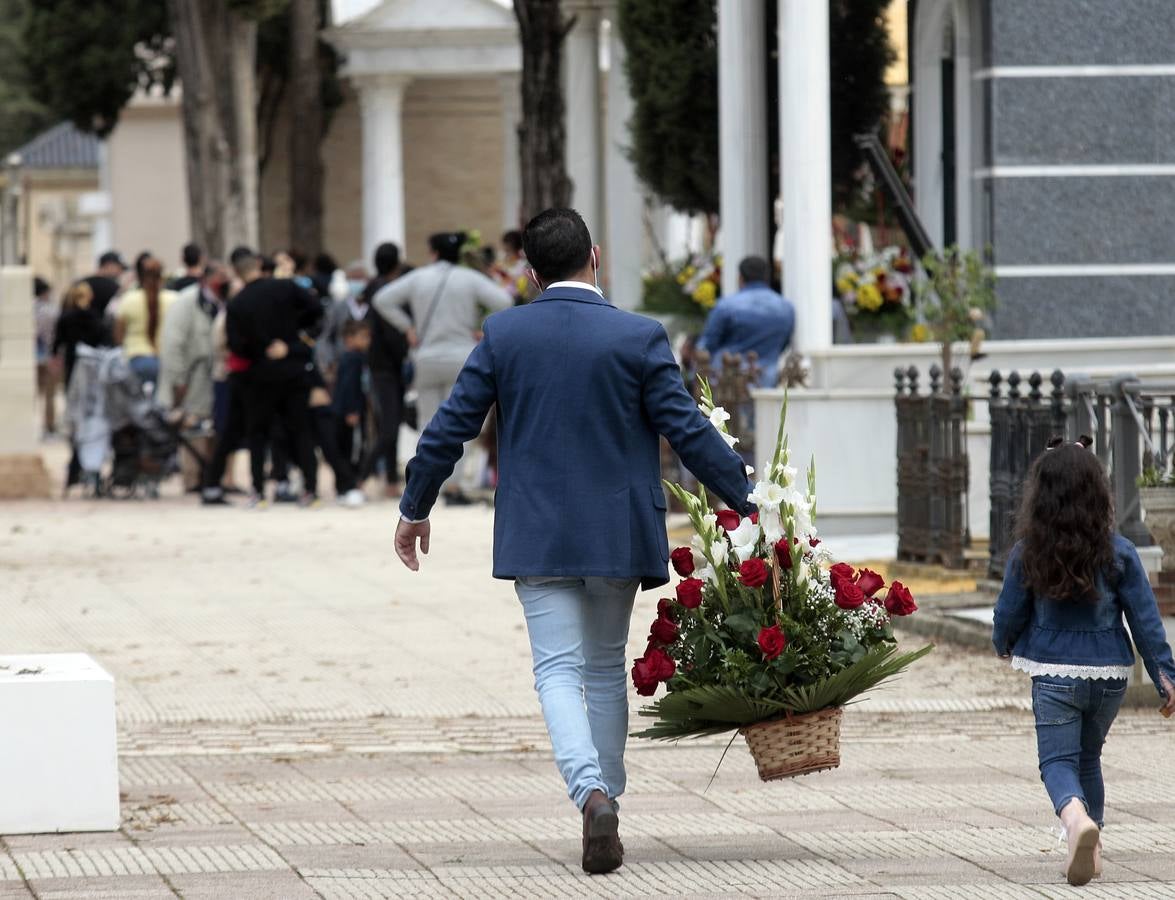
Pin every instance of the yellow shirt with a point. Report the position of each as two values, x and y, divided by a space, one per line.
132 313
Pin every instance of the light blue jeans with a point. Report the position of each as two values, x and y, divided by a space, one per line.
578 631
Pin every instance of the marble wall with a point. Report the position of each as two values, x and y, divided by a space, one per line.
1079 175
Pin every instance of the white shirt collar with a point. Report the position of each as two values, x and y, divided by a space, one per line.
580 285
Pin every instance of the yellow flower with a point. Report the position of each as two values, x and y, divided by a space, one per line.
920 333
844 285
706 294
522 286
869 298
682 279
689 271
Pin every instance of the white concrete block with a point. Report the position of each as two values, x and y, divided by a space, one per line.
58 747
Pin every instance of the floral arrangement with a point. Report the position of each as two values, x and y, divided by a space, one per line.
764 623
955 299
690 287
875 289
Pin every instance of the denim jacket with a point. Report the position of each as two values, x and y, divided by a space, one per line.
1085 634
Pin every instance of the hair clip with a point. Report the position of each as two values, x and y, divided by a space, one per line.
1084 441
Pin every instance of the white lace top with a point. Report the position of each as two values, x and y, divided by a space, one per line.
1060 670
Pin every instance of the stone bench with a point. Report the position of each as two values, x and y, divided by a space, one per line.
58 745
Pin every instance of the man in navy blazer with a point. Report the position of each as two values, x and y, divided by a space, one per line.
582 391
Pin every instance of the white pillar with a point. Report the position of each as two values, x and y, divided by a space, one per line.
22 472
625 200
742 130
381 99
510 84
581 94
806 170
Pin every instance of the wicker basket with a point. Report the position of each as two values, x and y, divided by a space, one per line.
797 745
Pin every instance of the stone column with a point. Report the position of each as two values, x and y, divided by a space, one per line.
742 130
581 92
22 471
381 100
511 163
806 169
624 241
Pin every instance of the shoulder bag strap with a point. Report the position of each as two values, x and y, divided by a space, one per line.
433 306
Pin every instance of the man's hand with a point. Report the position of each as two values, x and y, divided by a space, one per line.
413 339
277 350
406 535
1168 708
351 419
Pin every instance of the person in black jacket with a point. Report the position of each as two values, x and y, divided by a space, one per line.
263 324
385 360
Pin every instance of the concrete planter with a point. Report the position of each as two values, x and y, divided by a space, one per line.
1159 505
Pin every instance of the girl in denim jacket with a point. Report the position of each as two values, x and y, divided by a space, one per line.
1070 582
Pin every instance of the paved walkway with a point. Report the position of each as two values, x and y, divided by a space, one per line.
301 717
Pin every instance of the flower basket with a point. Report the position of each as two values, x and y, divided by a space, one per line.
767 635
795 745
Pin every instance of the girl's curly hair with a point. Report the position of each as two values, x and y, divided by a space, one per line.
1066 523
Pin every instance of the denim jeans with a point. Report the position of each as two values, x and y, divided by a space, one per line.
578 630
1073 716
145 368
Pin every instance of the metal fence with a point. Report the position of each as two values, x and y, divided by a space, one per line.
1132 425
1022 421
932 467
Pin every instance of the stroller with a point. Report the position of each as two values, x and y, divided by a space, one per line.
113 417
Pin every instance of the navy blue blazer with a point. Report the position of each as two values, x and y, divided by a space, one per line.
582 391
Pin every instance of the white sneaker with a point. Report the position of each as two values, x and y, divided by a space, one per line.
353 499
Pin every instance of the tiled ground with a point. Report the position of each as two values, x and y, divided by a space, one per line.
299 717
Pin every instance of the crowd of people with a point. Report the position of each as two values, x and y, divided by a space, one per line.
294 360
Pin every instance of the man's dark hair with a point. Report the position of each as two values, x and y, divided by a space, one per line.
192 255
513 240
754 269
325 263
240 252
40 286
267 265
447 245
557 244
111 256
387 258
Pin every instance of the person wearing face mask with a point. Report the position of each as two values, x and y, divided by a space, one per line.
440 307
185 359
344 304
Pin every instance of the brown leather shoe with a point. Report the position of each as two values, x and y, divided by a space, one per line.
602 850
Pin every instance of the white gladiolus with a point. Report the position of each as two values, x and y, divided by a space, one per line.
744 538
719 417
750 471
767 495
730 439
771 524
707 574
789 474
710 523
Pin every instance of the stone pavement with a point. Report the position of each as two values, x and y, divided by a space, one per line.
301 717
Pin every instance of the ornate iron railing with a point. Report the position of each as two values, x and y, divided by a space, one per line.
1021 425
932 468
1132 424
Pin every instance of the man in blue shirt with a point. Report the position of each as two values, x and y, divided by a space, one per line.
755 319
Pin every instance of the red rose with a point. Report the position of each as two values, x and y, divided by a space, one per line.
841 571
772 641
728 519
664 631
754 517
870 582
683 561
665 608
848 594
783 553
689 593
753 573
651 669
899 601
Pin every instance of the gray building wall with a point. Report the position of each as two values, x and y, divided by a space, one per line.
1079 176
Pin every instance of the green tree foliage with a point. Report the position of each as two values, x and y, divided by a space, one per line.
85 59
860 53
672 65
21 116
